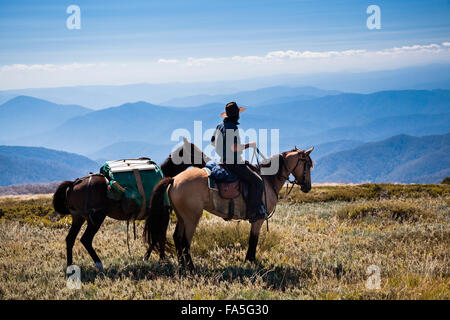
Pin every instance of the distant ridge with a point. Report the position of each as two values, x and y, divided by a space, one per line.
315 121
261 96
20 165
432 76
401 158
24 116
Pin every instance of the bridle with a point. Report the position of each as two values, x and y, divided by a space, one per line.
294 182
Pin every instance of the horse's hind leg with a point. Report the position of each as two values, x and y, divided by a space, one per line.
148 253
189 229
178 236
94 222
253 240
77 222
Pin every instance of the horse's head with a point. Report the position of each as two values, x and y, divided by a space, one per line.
195 155
184 156
299 164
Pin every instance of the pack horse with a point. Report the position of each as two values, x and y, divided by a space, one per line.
122 191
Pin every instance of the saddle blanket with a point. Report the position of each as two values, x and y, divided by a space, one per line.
229 209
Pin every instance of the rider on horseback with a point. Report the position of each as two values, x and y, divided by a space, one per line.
228 146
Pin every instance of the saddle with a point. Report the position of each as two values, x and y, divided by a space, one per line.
229 185
228 192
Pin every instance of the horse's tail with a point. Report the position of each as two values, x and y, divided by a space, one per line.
158 216
59 198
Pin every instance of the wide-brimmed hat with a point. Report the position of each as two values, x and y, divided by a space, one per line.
232 110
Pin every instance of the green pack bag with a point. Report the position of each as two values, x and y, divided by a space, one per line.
121 175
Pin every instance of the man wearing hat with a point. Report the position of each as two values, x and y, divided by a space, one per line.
228 146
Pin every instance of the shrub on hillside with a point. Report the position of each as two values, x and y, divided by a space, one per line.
369 191
392 209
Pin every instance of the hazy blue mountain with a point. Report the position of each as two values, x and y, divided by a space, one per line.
367 82
25 116
327 148
97 97
350 109
144 122
417 125
253 97
401 158
443 84
132 149
19 165
100 97
365 117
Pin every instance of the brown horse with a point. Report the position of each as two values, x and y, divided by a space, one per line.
189 196
86 200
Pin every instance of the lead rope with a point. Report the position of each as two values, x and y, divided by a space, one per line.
128 240
287 188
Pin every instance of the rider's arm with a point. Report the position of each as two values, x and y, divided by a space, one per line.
213 138
239 147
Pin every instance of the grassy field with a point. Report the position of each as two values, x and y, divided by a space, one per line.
319 246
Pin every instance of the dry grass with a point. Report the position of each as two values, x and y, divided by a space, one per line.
314 250
369 191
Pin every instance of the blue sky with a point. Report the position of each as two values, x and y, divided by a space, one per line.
156 39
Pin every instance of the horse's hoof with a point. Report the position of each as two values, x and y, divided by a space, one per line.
251 260
191 269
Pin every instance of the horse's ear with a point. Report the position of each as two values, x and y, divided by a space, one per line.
307 152
185 141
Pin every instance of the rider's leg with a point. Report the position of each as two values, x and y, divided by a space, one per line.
255 184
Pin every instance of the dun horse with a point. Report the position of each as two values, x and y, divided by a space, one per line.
189 196
88 201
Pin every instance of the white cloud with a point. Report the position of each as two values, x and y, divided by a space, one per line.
47 67
168 61
221 68
292 55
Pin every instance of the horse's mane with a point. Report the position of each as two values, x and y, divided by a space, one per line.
268 163
171 169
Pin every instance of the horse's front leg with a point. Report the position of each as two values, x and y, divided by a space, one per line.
94 222
77 222
253 240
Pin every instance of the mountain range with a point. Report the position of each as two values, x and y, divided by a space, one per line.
19 165
270 95
345 116
332 121
401 158
433 76
26 116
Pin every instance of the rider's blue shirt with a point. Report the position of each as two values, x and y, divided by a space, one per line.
225 136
